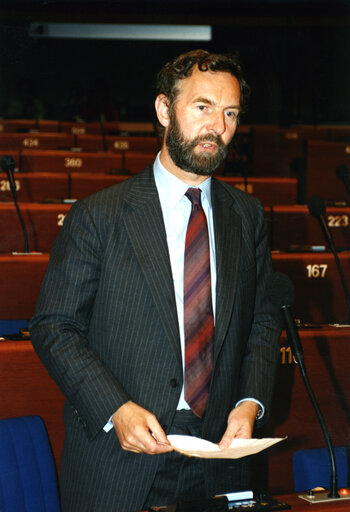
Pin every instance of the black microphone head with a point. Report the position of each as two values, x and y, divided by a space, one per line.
7 163
316 206
342 171
280 290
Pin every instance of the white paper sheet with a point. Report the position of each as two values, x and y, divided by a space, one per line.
196 447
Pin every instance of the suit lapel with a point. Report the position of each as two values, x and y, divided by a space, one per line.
227 225
145 227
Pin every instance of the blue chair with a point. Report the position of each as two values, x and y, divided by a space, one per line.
28 480
311 468
12 326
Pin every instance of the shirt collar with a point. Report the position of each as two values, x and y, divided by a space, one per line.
172 189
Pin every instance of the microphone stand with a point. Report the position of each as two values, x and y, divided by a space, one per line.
8 165
294 339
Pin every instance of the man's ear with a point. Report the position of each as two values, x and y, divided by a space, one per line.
162 109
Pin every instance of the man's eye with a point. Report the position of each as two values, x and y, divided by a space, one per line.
202 107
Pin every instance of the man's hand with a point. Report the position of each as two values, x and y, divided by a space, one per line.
240 423
134 427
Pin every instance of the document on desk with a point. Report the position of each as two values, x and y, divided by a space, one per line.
196 447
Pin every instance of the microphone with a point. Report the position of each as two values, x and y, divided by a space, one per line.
280 291
343 173
8 166
317 209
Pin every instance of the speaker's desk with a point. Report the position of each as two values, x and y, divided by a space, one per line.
296 504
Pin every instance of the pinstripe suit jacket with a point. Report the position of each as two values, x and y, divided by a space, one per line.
106 328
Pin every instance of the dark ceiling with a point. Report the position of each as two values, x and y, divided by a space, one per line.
172 10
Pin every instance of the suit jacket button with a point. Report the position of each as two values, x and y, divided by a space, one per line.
173 383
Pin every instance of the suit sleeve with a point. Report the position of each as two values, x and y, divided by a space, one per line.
261 354
60 326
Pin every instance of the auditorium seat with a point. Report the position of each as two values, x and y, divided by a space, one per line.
71 161
17 141
323 157
268 190
312 468
292 225
36 187
43 222
28 479
319 296
85 184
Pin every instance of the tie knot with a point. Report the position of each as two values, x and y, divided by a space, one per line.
194 195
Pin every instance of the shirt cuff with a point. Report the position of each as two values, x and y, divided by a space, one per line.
109 425
261 410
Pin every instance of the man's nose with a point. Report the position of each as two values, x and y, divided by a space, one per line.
217 123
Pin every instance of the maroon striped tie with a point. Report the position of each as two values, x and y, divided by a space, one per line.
198 310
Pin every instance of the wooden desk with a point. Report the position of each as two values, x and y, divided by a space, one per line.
327 361
300 505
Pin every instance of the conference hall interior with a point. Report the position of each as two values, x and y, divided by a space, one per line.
77 89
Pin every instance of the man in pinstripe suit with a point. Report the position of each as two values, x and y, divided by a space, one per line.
109 318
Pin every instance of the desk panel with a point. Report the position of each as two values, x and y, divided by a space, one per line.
85 184
71 161
319 294
293 225
133 144
43 223
16 141
136 162
322 159
36 187
269 190
20 280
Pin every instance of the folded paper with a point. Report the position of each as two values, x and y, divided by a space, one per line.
196 447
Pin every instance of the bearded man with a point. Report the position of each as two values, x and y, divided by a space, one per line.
152 317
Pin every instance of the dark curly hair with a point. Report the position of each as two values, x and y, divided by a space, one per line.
182 66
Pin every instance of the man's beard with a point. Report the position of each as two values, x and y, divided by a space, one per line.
182 151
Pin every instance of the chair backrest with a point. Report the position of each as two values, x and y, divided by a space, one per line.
28 479
311 468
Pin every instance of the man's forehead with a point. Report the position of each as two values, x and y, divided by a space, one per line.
202 83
